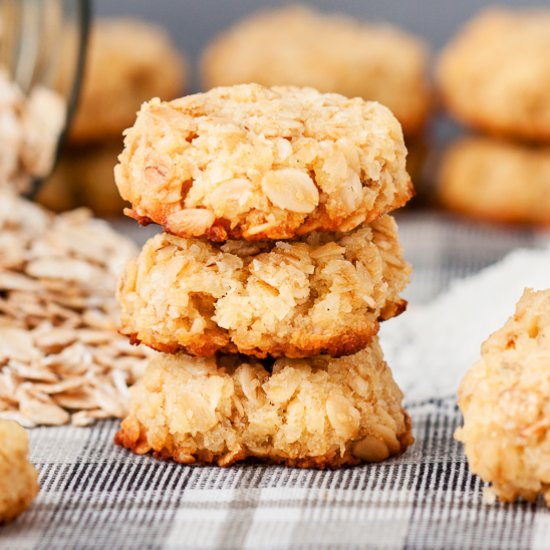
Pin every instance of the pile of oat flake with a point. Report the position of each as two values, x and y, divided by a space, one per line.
61 358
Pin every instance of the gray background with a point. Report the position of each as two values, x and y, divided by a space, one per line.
192 23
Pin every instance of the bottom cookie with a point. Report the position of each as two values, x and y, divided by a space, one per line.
310 413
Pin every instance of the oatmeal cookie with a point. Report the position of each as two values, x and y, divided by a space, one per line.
311 413
496 181
504 399
495 74
283 47
18 477
322 294
249 162
129 61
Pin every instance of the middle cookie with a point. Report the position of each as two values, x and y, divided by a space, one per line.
322 294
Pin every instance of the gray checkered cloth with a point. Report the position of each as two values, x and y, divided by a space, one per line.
95 495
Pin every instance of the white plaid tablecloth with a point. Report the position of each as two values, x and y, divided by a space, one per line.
95 495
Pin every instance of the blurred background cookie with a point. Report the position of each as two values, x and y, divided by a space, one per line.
496 181
84 176
330 52
495 74
128 62
418 149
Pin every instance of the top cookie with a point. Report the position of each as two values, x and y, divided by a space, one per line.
332 53
128 62
495 75
250 162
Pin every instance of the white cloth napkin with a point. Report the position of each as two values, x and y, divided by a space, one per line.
430 347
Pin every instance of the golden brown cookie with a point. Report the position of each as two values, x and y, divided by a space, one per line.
84 177
495 74
249 162
322 294
496 181
128 62
18 477
310 413
504 399
330 52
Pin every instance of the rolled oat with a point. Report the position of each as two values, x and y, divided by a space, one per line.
61 358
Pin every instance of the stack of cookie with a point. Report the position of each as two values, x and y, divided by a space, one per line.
265 290
495 77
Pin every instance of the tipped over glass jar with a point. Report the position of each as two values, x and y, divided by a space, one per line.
42 51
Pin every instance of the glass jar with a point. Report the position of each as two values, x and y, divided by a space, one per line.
42 45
